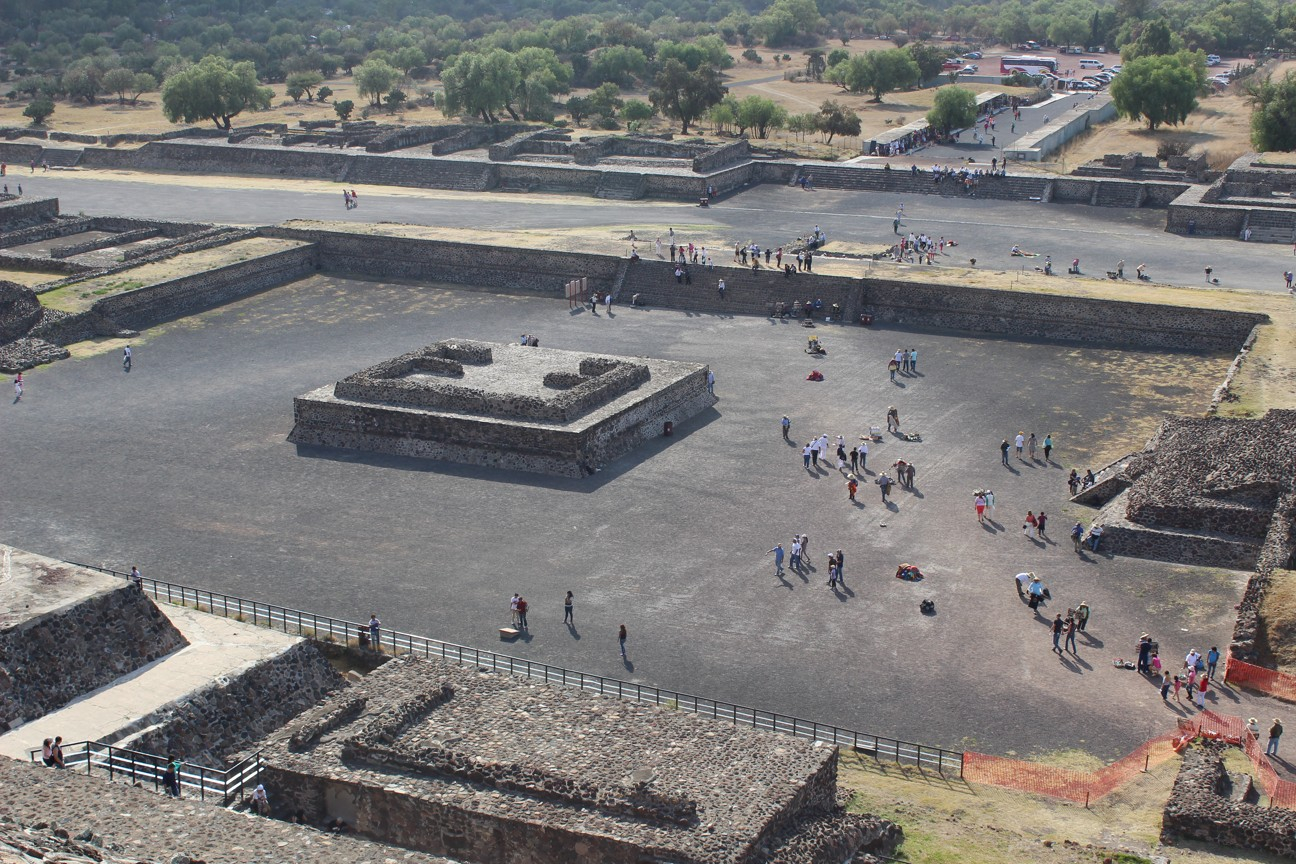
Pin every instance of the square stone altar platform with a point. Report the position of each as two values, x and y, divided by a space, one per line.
510 406
488 767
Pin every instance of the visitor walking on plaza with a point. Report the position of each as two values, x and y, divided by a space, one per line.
1018 443
1036 592
1057 632
622 635
795 561
1275 732
1077 537
567 609
1040 522
1003 451
778 558
127 358
787 428
980 504
18 387
1071 634
1030 446
1029 525
1212 659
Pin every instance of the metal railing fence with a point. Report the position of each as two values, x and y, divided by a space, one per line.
122 763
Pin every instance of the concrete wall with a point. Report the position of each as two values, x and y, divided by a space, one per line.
48 661
153 304
1039 145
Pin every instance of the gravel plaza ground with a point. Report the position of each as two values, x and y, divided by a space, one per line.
182 467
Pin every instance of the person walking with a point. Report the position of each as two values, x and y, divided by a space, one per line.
1070 641
1030 446
851 485
808 453
990 504
1082 616
862 449
1057 632
1028 527
787 428
778 558
795 559
1040 521
1048 446
1018 443
980 504
18 387
1275 732
622 635
1003 451
568 618
1077 537
1212 660
126 358
522 610
884 482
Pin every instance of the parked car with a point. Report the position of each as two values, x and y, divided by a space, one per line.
1115 70
1213 60
1033 46
970 69
973 55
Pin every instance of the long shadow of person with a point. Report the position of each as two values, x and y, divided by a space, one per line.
571 629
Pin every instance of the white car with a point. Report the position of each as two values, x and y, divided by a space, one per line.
969 69
1213 60
1115 70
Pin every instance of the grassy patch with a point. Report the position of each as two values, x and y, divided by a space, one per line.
1278 621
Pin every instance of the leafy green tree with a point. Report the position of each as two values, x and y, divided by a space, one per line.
803 124
481 84
374 78
930 59
877 72
324 94
1068 29
836 119
637 111
306 82
617 64
1160 89
395 100
39 110
1155 39
215 89
836 56
704 49
408 59
343 109
786 21
119 81
760 114
579 108
605 99
751 56
1273 113
953 108
723 115
685 95
143 83
83 80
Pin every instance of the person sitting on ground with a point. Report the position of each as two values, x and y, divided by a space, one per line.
1089 478
1016 251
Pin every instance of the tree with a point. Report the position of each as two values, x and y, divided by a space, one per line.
481 84
395 100
324 94
877 72
637 111
305 81
953 108
787 20
83 80
119 81
1155 39
39 110
1273 113
618 64
579 108
803 124
836 56
1160 88
343 109
1068 29
816 65
760 114
605 99
836 119
930 59
143 83
685 95
751 56
215 89
373 78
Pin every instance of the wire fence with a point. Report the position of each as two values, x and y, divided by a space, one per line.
137 767
337 630
1271 682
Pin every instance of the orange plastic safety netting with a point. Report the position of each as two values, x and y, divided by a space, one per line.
1270 681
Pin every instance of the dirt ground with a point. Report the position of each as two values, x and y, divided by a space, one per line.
1221 126
947 821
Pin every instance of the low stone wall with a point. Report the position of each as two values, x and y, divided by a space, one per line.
1199 808
721 157
1045 316
1039 145
72 249
48 661
1206 218
18 212
481 266
214 726
153 304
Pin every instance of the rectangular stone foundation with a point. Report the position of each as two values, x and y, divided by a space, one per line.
508 406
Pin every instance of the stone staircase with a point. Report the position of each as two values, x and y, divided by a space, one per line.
423 173
1269 226
867 179
59 158
620 186
1117 194
746 293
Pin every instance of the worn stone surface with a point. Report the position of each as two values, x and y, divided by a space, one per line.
492 768
519 407
126 824
214 726
90 633
1200 807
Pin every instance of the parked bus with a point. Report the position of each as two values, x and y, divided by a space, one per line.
1027 63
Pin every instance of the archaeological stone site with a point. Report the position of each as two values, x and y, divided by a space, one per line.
551 497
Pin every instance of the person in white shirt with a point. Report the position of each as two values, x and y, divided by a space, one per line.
1023 581
261 800
1019 442
863 454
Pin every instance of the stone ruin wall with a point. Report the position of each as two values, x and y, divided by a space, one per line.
24 211
220 723
48 661
1199 808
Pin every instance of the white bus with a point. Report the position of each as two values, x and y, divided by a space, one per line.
1027 63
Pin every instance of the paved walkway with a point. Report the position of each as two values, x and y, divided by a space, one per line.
217 647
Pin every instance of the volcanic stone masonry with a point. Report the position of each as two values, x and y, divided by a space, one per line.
488 767
519 407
